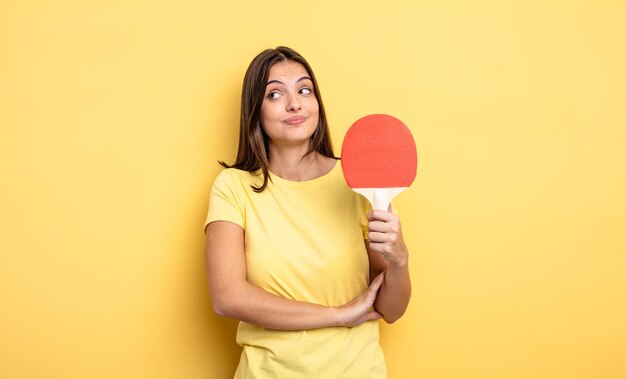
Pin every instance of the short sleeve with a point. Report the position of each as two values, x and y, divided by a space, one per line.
226 202
364 208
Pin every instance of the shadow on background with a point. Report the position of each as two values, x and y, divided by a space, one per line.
219 352
220 344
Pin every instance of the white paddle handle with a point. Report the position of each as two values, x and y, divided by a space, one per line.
380 198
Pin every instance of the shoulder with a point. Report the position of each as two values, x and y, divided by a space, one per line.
234 176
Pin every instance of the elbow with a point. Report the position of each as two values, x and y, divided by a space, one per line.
219 309
227 301
221 306
390 316
390 319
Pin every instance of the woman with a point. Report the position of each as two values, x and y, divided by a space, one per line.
290 248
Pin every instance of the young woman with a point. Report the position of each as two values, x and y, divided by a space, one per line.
292 252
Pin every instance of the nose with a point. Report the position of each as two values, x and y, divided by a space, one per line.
293 104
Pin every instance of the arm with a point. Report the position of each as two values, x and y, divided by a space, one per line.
388 253
232 295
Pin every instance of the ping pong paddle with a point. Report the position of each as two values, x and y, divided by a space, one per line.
379 158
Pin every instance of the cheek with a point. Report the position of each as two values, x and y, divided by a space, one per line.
265 116
268 112
268 120
314 106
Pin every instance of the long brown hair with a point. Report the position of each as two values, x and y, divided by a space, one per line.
253 152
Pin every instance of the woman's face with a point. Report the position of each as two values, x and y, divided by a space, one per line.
290 111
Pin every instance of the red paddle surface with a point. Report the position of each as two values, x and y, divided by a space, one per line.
378 151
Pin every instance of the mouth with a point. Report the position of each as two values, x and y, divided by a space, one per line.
296 120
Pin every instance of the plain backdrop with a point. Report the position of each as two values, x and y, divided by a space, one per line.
114 113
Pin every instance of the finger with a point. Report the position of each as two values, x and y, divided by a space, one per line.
369 316
377 282
380 247
377 214
377 237
381 226
372 291
372 315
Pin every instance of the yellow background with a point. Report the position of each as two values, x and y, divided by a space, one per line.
114 113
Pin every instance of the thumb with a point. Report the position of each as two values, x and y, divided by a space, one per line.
377 282
372 291
373 315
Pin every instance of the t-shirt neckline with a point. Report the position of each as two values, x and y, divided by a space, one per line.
320 179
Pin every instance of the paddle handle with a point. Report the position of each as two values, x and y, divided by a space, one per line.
380 198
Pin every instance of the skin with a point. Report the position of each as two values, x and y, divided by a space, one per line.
289 115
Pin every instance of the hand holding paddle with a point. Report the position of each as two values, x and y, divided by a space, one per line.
379 158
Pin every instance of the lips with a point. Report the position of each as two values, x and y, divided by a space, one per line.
296 120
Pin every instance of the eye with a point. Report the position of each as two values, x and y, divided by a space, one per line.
305 91
273 95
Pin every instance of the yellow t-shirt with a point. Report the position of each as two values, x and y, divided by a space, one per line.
303 241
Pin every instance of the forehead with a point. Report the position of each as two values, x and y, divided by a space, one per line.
287 69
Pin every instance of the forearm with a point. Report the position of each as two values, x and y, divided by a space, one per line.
233 296
395 293
251 304
389 254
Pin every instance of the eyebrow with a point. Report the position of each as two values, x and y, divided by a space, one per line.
279 82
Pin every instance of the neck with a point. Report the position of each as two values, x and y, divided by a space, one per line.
291 164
